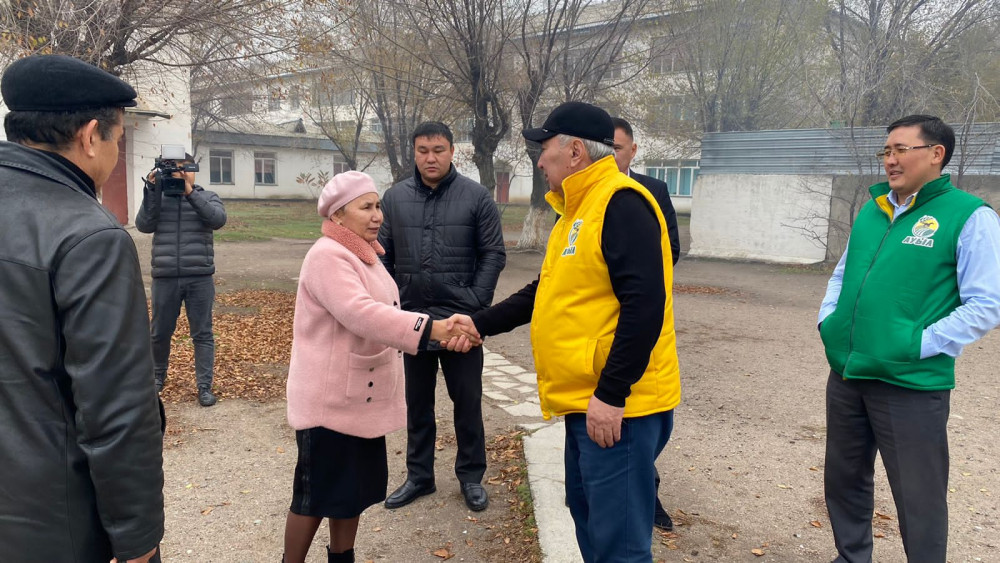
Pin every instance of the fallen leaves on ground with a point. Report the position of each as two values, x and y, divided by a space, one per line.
704 290
517 533
253 344
444 553
883 516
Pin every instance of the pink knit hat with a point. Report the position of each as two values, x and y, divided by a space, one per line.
342 189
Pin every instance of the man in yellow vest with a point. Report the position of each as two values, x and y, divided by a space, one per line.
602 332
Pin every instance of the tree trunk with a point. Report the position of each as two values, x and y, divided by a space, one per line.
534 226
536 221
487 172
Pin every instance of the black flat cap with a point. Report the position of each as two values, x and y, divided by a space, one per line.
61 83
576 119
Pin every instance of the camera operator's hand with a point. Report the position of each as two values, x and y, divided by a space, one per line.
188 180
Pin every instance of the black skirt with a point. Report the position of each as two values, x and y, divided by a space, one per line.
338 476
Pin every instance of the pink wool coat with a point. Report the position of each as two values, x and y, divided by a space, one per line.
346 371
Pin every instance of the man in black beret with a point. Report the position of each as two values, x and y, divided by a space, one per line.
80 445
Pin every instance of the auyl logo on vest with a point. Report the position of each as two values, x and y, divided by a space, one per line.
923 230
574 232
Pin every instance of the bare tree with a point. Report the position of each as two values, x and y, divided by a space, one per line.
115 34
379 56
465 44
566 51
742 60
886 51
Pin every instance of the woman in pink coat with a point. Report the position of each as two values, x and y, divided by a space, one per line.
345 380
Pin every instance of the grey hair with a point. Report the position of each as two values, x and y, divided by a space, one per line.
595 150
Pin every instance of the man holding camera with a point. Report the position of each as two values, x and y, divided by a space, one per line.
183 263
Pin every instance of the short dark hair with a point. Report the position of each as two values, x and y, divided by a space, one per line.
433 129
624 126
932 130
56 129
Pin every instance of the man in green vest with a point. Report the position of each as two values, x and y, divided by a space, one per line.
920 279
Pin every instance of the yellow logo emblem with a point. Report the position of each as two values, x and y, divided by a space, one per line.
925 227
574 232
923 230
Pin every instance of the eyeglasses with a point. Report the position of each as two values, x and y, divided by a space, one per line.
899 151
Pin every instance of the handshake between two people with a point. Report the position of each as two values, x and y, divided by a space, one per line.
457 333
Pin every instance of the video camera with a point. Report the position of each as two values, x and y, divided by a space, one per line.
166 165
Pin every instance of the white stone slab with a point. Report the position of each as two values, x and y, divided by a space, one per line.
525 389
511 369
529 378
503 384
497 396
523 409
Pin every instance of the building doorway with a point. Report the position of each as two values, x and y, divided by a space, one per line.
114 194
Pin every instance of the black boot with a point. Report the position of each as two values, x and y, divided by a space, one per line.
345 557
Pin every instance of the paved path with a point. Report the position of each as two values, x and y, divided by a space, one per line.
515 390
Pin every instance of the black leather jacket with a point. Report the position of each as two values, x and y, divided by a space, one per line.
443 246
81 474
182 227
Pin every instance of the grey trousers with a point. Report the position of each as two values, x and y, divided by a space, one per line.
908 428
198 295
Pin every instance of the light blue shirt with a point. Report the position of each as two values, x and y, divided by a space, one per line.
978 269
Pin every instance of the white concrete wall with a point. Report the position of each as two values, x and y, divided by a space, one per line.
165 91
760 217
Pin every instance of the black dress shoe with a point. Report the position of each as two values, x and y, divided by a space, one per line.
661 519
475 496
407 493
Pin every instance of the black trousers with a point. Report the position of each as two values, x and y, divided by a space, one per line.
463 374
197 293
908 428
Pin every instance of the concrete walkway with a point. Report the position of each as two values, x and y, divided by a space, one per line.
515 390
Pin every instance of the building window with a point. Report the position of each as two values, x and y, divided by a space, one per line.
263 168
663 57
274 100
462 130
375 125
234 106
678 174
339 163
614 71
326 96
220 167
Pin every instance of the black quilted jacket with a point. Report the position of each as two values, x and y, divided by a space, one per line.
182 227
443 246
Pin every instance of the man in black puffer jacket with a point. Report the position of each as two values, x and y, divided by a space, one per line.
183 264
444 246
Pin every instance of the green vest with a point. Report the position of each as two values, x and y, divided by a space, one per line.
900 277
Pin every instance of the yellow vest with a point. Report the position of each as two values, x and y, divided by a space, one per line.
576 312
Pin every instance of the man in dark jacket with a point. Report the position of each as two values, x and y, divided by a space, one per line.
625 148
183 264
444 246
81 462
